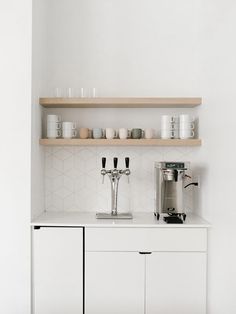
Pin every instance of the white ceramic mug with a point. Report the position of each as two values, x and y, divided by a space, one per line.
110 133
186 125
124 133
69 133
53 125
186 133
167 133
169 122
69 125
176 133
53 133
169 119
185 118
53 118
148 133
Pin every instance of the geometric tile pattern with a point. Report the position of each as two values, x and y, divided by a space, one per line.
73 181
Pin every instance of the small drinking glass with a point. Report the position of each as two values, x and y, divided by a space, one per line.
94 92
82 92
58 92
70 92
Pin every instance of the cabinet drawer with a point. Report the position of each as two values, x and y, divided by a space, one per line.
146 239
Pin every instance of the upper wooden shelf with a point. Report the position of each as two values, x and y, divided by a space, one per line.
120 102
118 142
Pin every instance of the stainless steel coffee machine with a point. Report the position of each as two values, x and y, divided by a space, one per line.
169 179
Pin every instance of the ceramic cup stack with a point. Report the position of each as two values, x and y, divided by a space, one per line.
53 126
69 129
186 126
169 127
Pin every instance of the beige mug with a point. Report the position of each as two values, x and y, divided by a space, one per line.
84 133
124 133
148 133
110 133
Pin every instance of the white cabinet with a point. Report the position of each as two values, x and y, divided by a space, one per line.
127 270
171 279
176 283
114 283
58 270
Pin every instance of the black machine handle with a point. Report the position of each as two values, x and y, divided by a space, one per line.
127 162
176 175
115 161
142 253
103 162
192 183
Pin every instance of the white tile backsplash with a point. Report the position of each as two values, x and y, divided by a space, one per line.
73 181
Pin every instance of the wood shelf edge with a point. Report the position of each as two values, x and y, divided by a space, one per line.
118 142
121 102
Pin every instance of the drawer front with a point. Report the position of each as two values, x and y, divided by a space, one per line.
146 239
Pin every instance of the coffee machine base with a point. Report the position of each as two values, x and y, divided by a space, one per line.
172 218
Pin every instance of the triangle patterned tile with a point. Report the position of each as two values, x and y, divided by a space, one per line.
62 192
68 163
63 154
57 164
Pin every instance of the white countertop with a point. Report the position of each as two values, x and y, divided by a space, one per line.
147 220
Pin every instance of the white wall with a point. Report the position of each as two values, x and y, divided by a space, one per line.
15 86
133 47
218 68
38 60
164 48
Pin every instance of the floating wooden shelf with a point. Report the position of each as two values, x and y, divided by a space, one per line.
120 102
118 142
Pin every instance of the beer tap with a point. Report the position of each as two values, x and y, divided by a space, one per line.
103 171
127 170
114 175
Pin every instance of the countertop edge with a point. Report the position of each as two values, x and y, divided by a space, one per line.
89 221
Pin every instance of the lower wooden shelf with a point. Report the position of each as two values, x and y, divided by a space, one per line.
118 142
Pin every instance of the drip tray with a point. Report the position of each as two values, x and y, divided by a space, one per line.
110 216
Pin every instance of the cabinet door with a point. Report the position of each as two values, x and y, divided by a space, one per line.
114 283
58 270
176 283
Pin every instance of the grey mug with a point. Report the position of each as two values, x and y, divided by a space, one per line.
136 133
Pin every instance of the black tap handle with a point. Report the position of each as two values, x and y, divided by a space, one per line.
127 162
103 162
176 173
115 160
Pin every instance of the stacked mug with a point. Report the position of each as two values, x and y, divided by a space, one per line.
186 126
169 127
69 129
53 126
